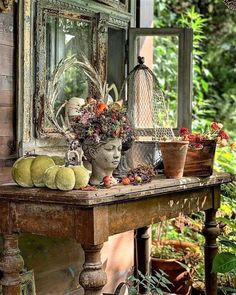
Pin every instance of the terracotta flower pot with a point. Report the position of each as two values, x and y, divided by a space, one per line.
177 274
174 155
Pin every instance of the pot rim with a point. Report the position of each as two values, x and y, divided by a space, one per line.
175 142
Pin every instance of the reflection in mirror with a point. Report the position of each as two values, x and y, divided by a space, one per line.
161 56
64 38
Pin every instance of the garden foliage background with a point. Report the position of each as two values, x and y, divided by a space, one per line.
214 69
214 85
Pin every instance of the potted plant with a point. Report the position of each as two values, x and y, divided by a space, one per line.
201 150
177 254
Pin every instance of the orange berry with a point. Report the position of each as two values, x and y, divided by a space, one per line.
125 181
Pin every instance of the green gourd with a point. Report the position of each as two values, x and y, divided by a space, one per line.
28 171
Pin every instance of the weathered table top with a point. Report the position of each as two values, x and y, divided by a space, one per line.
158 186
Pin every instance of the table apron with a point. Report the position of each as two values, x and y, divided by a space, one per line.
94 225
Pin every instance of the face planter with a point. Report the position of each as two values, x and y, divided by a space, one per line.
104 158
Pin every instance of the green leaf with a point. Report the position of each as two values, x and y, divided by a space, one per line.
133 291
224 262
230 244
228 289
159 291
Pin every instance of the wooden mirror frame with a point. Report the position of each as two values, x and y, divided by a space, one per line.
31 134
6 5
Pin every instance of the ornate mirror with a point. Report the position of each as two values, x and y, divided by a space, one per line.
53 30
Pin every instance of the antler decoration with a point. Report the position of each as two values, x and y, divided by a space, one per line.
94 77
53 89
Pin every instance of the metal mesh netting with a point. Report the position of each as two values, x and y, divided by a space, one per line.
148 113
147 108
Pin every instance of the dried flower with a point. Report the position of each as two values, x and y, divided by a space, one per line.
99 121
101 107
183 131
214 132
233 146
214 126
223 135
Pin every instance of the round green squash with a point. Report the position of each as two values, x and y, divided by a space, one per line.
65 179
50 175
21 171
82 176
38 167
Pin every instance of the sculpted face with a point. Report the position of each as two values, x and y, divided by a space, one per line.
108 155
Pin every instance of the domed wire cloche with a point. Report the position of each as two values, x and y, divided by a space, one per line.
148 113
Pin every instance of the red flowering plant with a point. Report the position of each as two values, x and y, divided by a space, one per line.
214 132
98 121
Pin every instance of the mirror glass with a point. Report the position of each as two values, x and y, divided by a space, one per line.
64 38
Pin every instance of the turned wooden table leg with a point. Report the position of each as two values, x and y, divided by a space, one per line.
92 278
11 264
210 232
142 253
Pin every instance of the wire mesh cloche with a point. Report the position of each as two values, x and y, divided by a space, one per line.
148 113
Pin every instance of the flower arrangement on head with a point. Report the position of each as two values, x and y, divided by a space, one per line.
213 132
97 121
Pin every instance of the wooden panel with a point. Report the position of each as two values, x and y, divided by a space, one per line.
47 220
6 146
96 219
6 29
6 90
5 175
6 121
126 216
6 60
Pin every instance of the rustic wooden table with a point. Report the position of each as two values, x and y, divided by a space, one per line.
91 217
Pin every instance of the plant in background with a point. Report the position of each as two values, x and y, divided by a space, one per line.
158 283
201 74
225 262
214 84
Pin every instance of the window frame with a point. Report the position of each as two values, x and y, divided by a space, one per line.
184 80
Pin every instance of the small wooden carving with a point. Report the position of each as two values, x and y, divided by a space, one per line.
6 5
